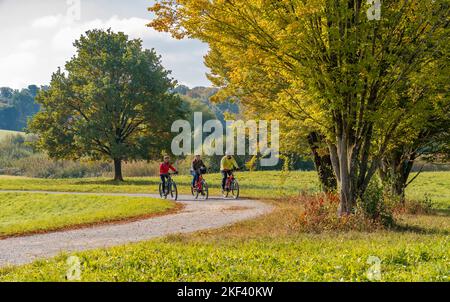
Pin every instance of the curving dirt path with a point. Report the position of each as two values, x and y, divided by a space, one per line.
196 216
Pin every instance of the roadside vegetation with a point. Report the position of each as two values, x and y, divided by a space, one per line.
27 213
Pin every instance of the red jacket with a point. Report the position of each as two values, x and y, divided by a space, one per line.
164 168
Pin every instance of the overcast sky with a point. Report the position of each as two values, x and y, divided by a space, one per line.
37 36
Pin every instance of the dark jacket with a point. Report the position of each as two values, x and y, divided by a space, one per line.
197 164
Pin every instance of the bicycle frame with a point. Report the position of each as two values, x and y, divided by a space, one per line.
169 182
229 181
170 188
199 184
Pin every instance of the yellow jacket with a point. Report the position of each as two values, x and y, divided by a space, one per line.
228 164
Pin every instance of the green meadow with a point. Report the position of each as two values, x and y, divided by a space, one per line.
25 213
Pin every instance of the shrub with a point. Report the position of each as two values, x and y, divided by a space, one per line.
320 214
374 205
414 207
13 147
40 166
137 169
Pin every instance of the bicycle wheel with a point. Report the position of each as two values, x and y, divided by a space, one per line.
196 193
235 189
225 193
204 194
161 192
173 191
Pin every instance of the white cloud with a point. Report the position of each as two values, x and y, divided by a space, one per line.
47 22
35 50
31 44
13 67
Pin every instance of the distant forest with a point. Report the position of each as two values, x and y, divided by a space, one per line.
17 106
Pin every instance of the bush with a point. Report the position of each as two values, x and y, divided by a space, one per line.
137 169
40 166
415 207
374 205
12 148
320 214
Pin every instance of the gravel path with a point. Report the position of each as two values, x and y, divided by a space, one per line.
196 216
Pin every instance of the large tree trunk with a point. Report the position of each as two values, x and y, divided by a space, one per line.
118 169
395 171
346 172
353 174
322 164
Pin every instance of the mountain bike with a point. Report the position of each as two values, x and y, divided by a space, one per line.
201 188
231 186
170 189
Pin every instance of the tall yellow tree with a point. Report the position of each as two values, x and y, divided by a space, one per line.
326 63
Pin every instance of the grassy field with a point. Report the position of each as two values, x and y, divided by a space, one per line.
262 185
270 248
4 133
28 213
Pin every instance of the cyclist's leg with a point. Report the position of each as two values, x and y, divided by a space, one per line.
163 180
193 179
230 173
224 179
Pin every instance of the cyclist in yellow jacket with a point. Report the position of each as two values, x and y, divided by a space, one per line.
227 164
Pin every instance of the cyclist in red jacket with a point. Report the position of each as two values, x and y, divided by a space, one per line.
164 171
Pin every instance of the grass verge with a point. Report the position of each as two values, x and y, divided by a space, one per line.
27 213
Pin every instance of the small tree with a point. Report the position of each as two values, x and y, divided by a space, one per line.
113 103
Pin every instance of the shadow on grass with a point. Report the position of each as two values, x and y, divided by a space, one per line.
407 228
440 212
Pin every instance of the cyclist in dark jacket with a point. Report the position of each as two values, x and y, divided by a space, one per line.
197 168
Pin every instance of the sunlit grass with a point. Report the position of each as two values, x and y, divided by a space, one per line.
27 213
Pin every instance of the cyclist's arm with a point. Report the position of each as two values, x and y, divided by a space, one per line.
222 164
172 168
236 166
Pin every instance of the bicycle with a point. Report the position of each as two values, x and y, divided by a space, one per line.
231 186
170 189
201 187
